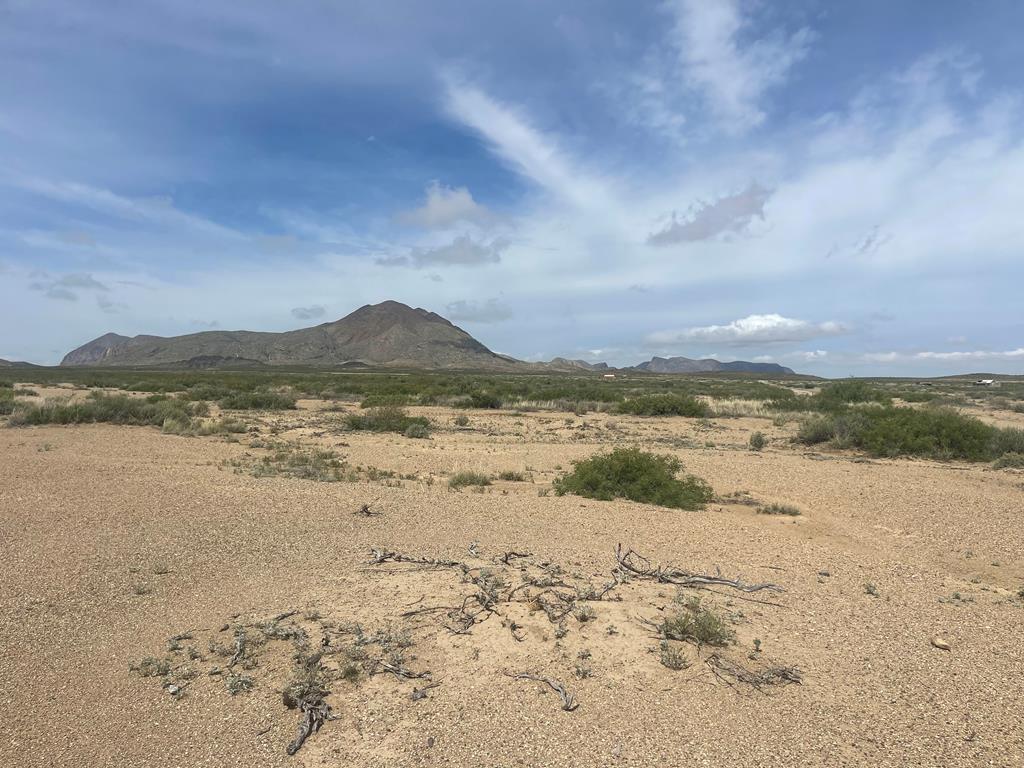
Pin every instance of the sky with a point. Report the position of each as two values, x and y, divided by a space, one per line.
836 187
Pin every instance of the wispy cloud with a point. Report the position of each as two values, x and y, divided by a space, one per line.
66 287
733 76
753 329
731 214
463 251
490 311
309 313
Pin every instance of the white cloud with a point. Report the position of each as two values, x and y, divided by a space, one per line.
445 207
730 214
733 77
753 329
309 313
66 286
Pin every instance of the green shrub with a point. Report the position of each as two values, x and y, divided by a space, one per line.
512 476
668 404
462 479
112 409
1010 461
937 433
462 420
417 431
696 624
257 401
385 418
485 400
757 441
629 473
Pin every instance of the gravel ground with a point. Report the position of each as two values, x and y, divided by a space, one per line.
114 539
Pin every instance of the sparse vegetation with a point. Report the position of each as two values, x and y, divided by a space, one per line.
512 476
468 478
111 409
304 464
666 404
696 623
386 418
937 433
1011 460
757 441
629 473
258 401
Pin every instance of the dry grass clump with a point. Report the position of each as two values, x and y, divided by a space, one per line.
512 476
629 473
292 461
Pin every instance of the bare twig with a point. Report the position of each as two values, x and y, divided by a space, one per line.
724 669
386 556
638 565
569 702
314 714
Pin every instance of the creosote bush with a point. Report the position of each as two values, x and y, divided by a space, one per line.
385 418
667 404
937 433
258 401
101 408
629 473
462 479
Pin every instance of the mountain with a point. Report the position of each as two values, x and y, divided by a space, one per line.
564 364
707 365
388 334
16 364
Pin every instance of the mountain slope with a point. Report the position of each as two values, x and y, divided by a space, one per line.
707 365
389 333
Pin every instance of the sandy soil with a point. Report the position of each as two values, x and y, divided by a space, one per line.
113 540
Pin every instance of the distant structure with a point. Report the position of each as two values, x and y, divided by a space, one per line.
608 376
985 383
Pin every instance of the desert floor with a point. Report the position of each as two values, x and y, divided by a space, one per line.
115 539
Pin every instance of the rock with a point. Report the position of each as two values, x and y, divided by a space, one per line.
940 643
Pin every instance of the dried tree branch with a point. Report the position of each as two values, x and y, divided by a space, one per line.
637 565
569 702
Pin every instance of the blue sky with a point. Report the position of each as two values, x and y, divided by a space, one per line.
837 187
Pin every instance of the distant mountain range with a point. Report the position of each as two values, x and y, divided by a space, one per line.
387 334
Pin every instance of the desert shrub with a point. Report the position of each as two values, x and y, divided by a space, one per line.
417 431
6 384
324 466
629 473
696 623
838 394
485 400
511 475
938 433
779 509
378 399
113 409
257 401
6 401
385 418
1008 441
462 479
667 404
757 441
462 420
1010 461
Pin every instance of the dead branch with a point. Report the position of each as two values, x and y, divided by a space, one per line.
728 671
314 714
365 511
379 556
637 565
510 555
569 702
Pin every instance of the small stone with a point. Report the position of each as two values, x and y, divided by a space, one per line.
940 643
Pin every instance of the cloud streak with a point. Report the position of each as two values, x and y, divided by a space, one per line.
753 329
